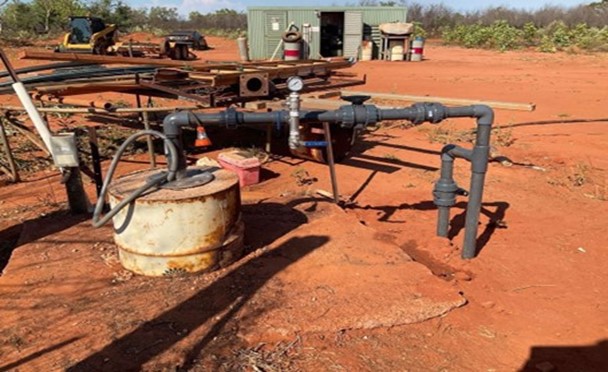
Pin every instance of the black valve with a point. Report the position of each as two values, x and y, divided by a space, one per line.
462 192
356 100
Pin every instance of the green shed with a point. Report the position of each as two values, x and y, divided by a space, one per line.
327 31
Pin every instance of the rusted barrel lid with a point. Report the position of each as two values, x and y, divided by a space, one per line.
124 186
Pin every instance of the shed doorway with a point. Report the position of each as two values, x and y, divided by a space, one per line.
341 34
332 34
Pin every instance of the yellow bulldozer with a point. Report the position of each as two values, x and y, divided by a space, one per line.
92 35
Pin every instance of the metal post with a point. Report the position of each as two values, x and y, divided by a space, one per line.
9 153
268 138
330 162
96 159
149 141
143 116
77 198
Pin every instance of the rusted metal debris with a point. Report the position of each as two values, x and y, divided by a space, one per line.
209 83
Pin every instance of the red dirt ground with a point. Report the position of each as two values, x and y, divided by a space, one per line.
367 287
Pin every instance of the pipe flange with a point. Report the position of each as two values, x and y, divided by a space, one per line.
371 115
444 193
348 116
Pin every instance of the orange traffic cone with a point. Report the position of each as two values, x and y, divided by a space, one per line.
202 140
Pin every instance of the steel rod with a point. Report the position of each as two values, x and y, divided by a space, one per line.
143 116
96 110
331 163
9 154
51 66
149 140
96 158
27 132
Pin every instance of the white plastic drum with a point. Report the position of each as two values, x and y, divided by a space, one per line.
367 47
417 49
396 48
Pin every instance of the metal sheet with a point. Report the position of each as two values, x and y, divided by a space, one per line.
353 33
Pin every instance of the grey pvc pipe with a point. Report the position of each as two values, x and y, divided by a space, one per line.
446 189
443 216
446 184
443 221
353 115
479 165
469 248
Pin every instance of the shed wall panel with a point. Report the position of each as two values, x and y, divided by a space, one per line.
353 33
261 45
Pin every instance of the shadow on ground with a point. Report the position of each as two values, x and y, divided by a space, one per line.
11 238
219 302
593 358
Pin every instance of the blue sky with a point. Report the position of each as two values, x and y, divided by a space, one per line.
205 6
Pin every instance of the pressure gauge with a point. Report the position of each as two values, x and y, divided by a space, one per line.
295 83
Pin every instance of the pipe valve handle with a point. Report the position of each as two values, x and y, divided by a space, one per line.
356 99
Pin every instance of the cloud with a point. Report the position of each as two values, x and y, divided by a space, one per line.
206 6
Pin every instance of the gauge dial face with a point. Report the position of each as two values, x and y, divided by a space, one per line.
295 83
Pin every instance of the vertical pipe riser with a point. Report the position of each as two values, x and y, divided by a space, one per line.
445 189
443 221
469 249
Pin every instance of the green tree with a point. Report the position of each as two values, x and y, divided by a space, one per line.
54 13
17 16
163 18
117 12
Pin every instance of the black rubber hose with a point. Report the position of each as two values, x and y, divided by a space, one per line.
98 220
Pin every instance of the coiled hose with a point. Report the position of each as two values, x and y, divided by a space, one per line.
98 220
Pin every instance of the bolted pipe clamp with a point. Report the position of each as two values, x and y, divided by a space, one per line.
230 118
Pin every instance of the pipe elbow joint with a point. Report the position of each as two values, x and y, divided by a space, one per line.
446 153
484 114
173 122
451 152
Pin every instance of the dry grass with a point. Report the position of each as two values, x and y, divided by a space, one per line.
260 358
579 174
391 157
303 178
444 134
500 137
584 178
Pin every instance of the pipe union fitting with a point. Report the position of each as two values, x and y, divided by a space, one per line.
444 193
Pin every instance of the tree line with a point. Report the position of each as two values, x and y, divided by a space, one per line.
25 19
549 28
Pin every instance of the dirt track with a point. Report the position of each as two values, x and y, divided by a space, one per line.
332 289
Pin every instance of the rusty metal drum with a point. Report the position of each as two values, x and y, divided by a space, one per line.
178 231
